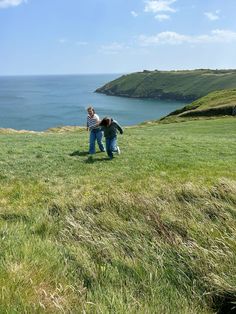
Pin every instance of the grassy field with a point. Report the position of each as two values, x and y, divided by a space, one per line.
219 103
178 85
151 231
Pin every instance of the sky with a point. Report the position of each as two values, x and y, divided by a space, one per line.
115 36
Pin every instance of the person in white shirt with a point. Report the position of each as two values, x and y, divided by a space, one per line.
95 131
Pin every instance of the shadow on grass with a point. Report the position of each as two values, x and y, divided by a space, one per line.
93 160
14 217
224 303
78 153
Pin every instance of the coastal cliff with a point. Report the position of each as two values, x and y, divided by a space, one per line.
186 85
219 103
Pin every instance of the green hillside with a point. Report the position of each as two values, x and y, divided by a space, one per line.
219 103
178 85
151 231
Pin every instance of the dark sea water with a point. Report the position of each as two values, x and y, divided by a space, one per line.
41 102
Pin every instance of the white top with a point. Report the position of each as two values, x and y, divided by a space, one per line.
92 121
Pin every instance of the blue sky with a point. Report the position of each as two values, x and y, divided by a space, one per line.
115 36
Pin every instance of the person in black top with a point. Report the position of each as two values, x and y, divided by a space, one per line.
110 128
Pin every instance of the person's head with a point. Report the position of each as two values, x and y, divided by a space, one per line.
105 121
90 111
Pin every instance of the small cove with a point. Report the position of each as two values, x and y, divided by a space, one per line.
41 102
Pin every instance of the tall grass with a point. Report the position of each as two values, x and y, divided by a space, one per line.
152 231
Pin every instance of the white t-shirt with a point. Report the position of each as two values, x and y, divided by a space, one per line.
92 121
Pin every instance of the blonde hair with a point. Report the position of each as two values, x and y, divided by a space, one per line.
91 108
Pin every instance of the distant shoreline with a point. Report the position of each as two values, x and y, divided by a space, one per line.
183 85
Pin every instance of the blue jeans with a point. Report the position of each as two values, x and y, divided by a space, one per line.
95 134
111 146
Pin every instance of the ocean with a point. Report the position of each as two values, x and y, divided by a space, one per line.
41 102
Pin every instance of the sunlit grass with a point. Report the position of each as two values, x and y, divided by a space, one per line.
152 231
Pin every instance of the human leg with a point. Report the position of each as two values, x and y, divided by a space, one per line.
99 140
109 148
113 144
92 139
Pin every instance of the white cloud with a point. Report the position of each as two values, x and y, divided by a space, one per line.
135 14
173 38
224 36
156 6
113 48
10 3
167 37
162 17
64 41
212 16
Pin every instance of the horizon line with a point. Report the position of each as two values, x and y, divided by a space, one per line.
115 73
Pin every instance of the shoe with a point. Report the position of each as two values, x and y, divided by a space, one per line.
118 150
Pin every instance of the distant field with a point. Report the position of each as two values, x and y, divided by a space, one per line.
219 103
152 231
178 85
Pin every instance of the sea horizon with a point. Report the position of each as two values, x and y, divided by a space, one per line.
40 102
68 74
